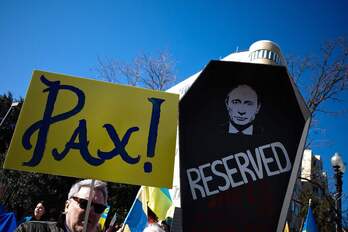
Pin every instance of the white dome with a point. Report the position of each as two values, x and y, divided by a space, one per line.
266 52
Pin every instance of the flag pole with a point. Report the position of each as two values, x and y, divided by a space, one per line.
88 205
113 220
304 219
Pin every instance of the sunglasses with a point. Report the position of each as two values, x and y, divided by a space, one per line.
98 208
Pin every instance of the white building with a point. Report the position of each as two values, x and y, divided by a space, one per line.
312 179
261 52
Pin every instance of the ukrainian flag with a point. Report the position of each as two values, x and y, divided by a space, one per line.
309 224
7 221
103 217
156 199
136 219
160 202
286 228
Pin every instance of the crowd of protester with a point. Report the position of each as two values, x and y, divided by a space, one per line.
73 218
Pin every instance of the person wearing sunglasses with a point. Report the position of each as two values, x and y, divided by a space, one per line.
73 219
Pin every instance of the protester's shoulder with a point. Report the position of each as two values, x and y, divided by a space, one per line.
39 226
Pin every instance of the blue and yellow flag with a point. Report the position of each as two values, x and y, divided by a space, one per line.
160 202
286 228
136 219
309 224
7 221
156 199
103 217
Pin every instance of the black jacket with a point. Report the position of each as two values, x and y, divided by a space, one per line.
41 226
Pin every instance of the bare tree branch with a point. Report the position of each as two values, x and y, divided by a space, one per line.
322 81
153 72
329 75
108 69
331 78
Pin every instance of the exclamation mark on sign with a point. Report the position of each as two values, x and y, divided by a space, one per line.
152 139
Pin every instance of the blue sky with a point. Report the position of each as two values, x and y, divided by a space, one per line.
68 36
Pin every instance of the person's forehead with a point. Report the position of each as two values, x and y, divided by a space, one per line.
243 91
84 193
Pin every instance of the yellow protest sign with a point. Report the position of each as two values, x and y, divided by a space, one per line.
91 129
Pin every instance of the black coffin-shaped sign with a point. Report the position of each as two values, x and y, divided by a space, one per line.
242 131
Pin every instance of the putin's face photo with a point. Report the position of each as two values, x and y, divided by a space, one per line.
242 105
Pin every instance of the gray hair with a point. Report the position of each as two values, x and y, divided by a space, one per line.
153 228
98 185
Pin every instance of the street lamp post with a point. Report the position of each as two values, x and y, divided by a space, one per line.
339 168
